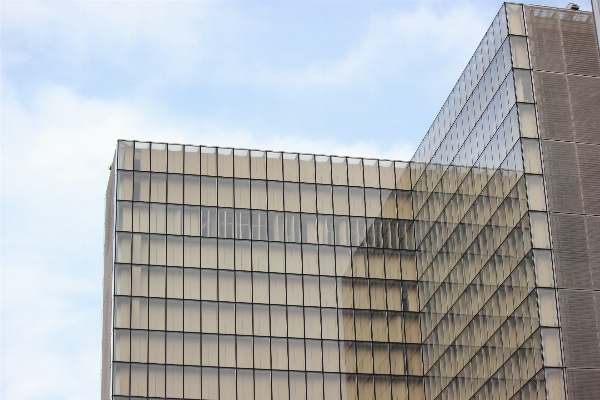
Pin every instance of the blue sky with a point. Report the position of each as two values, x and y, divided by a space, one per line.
335 77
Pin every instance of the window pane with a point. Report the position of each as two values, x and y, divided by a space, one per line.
292 197
174 219
516 25
527 120
208 191
327 261
175 283
262 352
208 222
371 171
157 350
208 161
244 352
242 193
226 221
192 160
326 229
225 160
276 257
191 221
122 279
357 201
338 171
340 200
259 195
402 173
191 287
243 287
124 216
225 192
209 284
121 345
275 196
192 378
308 198
158 157
157 281
192 190
373 202
139 346
357 231
309 228
125 185
293 228
290 167
293 258
279 353
274 166
388 204
156 314
139 251
386 174
520 57
158 188
310 258
307 168
210 383
175 158
241 163
141 185
260 287
276 226
343 261
260 260
141 217
258 165
523 86
323 169
121 379
242 224
125 155
141 158
243 255
355 172
158 218
324 199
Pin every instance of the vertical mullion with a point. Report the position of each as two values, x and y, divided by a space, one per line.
148 287
218 303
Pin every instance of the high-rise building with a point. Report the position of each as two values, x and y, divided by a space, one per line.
471 271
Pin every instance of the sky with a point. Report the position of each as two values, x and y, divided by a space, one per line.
360 78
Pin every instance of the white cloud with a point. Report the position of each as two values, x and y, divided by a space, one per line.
144 36
210 40
50 331
395 46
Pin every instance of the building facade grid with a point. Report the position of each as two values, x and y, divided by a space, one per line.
291 280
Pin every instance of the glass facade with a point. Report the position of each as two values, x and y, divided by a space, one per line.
246 274
489 319
253 275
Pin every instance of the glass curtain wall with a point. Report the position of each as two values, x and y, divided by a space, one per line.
489 323
255 275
